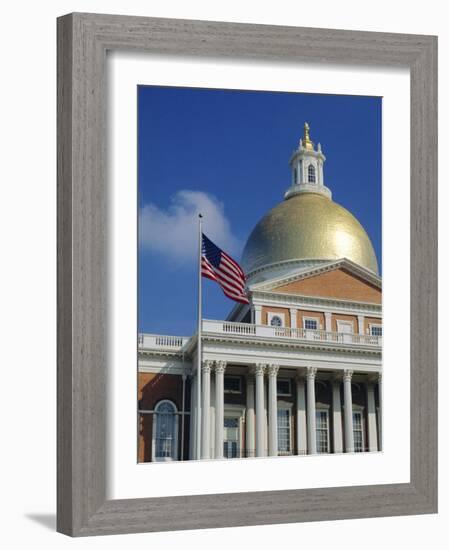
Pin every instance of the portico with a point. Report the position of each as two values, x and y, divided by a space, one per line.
256 432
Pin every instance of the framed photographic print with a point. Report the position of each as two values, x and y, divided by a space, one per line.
247 274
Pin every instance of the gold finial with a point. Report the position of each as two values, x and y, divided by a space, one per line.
306 141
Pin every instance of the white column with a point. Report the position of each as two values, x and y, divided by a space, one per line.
349 433
311 411
301 424
250 417
371 415
260 410
336 416
293 317
257 315
212 418
265 416
273 410
220 367
380 412
193 409
205 409
361 324
328 321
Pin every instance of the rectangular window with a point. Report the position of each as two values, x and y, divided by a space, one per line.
232 384
310 324
231 437
322 431
284 386
375 330
357 427
284 432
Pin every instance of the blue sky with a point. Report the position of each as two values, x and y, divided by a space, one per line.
226 152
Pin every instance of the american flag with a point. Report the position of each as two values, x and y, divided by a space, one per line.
220 267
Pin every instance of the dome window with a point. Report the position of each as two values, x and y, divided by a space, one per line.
311 174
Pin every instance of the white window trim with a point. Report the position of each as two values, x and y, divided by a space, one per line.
236 411
153 435
324 407
285 405
345 322
271 314
309 165
360 410
310 318
233 392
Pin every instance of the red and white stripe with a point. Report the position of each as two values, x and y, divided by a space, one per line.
229 275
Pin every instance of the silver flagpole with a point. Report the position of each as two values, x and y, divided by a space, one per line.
198 366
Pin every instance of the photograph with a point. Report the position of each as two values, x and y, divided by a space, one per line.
259 274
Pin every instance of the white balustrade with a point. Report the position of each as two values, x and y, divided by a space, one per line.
228 327
153 341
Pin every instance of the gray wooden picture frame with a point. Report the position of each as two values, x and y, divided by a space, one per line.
83 40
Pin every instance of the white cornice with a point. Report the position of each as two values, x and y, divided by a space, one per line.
294 345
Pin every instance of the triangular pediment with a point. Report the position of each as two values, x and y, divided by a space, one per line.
342 280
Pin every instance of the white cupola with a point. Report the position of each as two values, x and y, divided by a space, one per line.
307 168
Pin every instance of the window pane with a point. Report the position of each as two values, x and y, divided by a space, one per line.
232 384
322 432
165 430
357 431
284 445
276 321
310 324
283 387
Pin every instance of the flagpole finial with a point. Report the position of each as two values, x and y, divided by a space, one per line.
200 215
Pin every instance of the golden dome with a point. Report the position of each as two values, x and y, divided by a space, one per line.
308 226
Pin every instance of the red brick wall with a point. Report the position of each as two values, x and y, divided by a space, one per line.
335 284
153 388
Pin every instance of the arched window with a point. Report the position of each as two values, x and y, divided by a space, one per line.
311 174
165 431
276 321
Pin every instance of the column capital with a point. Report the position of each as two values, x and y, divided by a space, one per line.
220 366
259 369
347 375
379 377
206 366
311 373
273 370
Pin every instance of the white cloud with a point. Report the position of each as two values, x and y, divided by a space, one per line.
174 232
